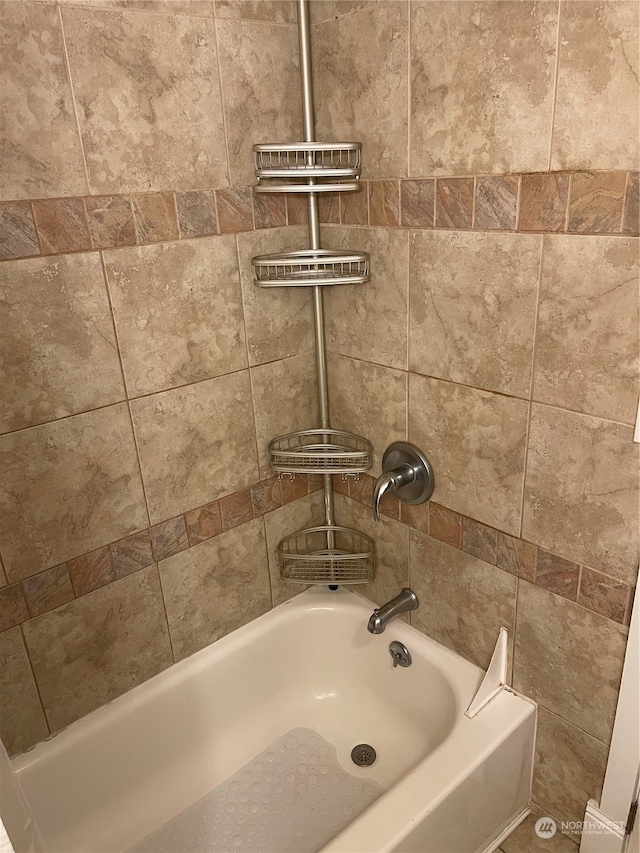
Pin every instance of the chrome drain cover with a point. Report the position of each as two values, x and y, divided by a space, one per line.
363 755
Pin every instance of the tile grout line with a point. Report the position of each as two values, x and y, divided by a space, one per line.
126 389
35 680
73 99
222 106
248 355
409 90
556 76
531 386
164 609
624 200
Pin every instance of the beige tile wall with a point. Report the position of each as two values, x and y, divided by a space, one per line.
510 357
143 374
500 334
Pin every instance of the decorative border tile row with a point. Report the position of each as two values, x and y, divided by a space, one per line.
53 587
592 589
54 226
555 202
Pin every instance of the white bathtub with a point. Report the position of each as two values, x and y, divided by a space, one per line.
452 784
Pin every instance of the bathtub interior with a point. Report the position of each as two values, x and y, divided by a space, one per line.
114 777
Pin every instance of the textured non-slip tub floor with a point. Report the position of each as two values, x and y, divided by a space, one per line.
293 796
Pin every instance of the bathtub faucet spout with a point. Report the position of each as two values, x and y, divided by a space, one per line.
403 602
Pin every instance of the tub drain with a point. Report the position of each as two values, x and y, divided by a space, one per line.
363 755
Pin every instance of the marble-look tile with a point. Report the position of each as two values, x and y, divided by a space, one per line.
482 78
236 509
203 523
543 202
463 601
454 202
297 209
91 650
278 11
261 89
360 78
169 537
596 114
285 521
292 379
294 487
269 210
384 203
92 571
178 312
235 210
216 587
197 213
13 606
48 590
369 321
155 217
479 540
445 525
370 401
516 556
130 554
110 221
524 839
476 445
496 203
569 768
596 202
417 203
266 496
557 574
22 720
196 443
582 650
631 219
62 225
354 207
171 110
57 345
416 516
603 594
278 320
329 10
473 308
581 491
329 208
69 487
40 148
391 540
197 8
587 337
18 238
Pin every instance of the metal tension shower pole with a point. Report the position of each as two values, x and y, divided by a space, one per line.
314 242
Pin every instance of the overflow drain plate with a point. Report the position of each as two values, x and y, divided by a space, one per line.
363 755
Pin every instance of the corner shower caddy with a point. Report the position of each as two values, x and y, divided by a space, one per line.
327 553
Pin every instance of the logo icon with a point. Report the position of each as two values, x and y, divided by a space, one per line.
546 827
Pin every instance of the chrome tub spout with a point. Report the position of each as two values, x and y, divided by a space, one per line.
403 602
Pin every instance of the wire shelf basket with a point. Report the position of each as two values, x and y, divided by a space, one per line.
311 267
336 164
320 451
327 554
308 160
